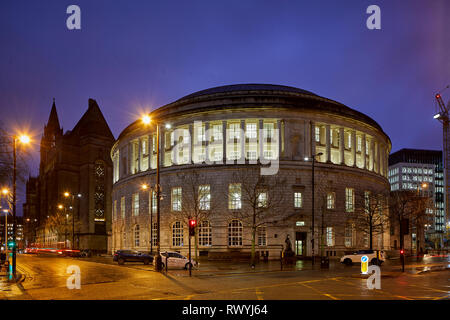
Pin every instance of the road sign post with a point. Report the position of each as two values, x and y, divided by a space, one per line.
364 264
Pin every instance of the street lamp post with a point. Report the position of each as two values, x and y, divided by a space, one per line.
72 197
23 139
313 160
146 120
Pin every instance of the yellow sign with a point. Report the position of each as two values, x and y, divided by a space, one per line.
364 264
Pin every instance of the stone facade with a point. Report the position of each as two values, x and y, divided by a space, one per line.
76 162
264 126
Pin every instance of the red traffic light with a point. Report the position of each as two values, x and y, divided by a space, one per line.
438 96
192 223
402 251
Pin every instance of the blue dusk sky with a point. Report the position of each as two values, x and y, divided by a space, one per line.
138 55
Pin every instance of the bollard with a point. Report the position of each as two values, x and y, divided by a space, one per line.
281 259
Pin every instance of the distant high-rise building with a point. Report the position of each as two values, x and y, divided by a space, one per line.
410 169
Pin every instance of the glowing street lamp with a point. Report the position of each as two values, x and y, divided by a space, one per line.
23 139
5 191
147 120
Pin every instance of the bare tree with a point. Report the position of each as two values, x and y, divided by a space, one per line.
420 216
196 201
58 224
404 205
371 213
261 201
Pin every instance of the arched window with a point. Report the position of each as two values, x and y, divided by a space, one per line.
99 193
235 233
204 234
136 236
177 234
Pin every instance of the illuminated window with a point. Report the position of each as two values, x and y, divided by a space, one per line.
331 198
136 204
122 207
177 234
176 199
136 236
201 133
235 130
154 204
155 234
234 196
330 237
300 223
317 132
262 236
251 131
268 131
349 199
298 201
217 132
204 234
235 233
262 199
349 230
359 144
204 195
115 210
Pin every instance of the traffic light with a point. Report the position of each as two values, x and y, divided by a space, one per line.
402 251
11 244
192 225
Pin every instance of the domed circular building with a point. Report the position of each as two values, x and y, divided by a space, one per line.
240 159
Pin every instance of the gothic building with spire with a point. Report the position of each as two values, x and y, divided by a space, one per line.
70 205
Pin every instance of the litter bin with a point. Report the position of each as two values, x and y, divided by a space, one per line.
324 262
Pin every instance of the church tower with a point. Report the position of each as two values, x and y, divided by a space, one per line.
52 133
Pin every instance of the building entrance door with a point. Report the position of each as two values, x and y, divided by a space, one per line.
300 244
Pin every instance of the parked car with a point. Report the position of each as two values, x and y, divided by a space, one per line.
176 260
122 256
371 254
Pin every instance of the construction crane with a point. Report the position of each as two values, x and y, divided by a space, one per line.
443 116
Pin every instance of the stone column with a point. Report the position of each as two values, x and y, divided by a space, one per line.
363 150
354 147
162 146
312 139
261 139
150 151
327 143
379 157
139 155
372 154
279 137
208 138
224 140
191 144
342 144
242 141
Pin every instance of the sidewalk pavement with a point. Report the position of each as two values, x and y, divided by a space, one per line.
390 268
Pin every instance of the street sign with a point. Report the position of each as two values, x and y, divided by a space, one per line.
364 264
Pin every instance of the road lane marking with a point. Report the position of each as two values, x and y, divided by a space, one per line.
259 294
320 292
